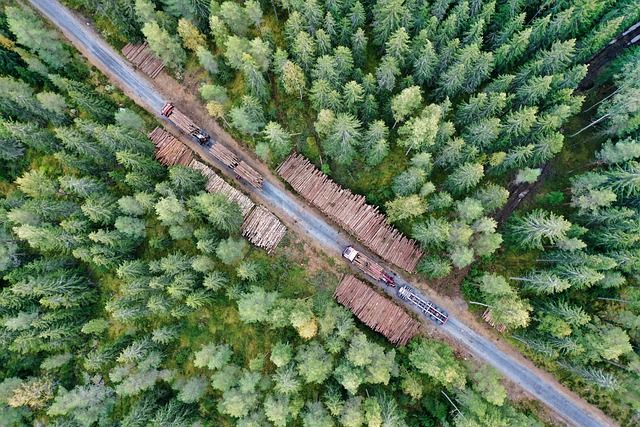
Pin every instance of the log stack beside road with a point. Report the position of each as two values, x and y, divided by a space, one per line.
169 150
142 57
260 227
263 229
351 212
376 311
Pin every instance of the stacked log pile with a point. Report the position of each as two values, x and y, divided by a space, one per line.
169 150
183 122
225 155
376 311
142 57
489 319
243 170
351 212
215 184
263 229
249 174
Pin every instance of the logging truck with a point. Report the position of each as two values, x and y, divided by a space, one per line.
434 312
368 266
184 123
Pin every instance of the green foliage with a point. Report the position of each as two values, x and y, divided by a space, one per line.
193 390
437 361
30 32
213 356
255 306
402 208
127 118
87 405
163 44
231 251
107 213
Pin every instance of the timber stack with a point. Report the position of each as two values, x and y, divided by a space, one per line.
215 184
240 167
169 150
351 212
488 317
225 155
376 311
260 227
183 122
142 57
249 174
263 229
217 150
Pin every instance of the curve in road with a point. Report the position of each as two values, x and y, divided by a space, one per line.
105 57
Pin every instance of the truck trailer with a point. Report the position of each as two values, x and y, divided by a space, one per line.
428 308
184 123
368 266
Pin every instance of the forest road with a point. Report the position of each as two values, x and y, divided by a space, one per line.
567 405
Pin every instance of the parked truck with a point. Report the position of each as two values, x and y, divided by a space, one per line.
428 308
368 266
184 123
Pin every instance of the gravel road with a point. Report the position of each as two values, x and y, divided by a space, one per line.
569 407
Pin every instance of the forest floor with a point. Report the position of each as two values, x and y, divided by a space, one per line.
310 225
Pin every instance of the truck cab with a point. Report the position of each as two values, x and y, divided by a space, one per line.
349 253
201 136
167 109
388 280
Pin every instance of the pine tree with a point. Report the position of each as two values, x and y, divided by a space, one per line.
163 44
344 139
544 282
424 60
538 226
30 32
465 177
387 72
359 42
278 139
388 16
434 267
352 95
256 84
374 143
304 49
398 45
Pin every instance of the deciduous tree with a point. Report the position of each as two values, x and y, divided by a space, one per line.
405 207
405 103
231 251
213 356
